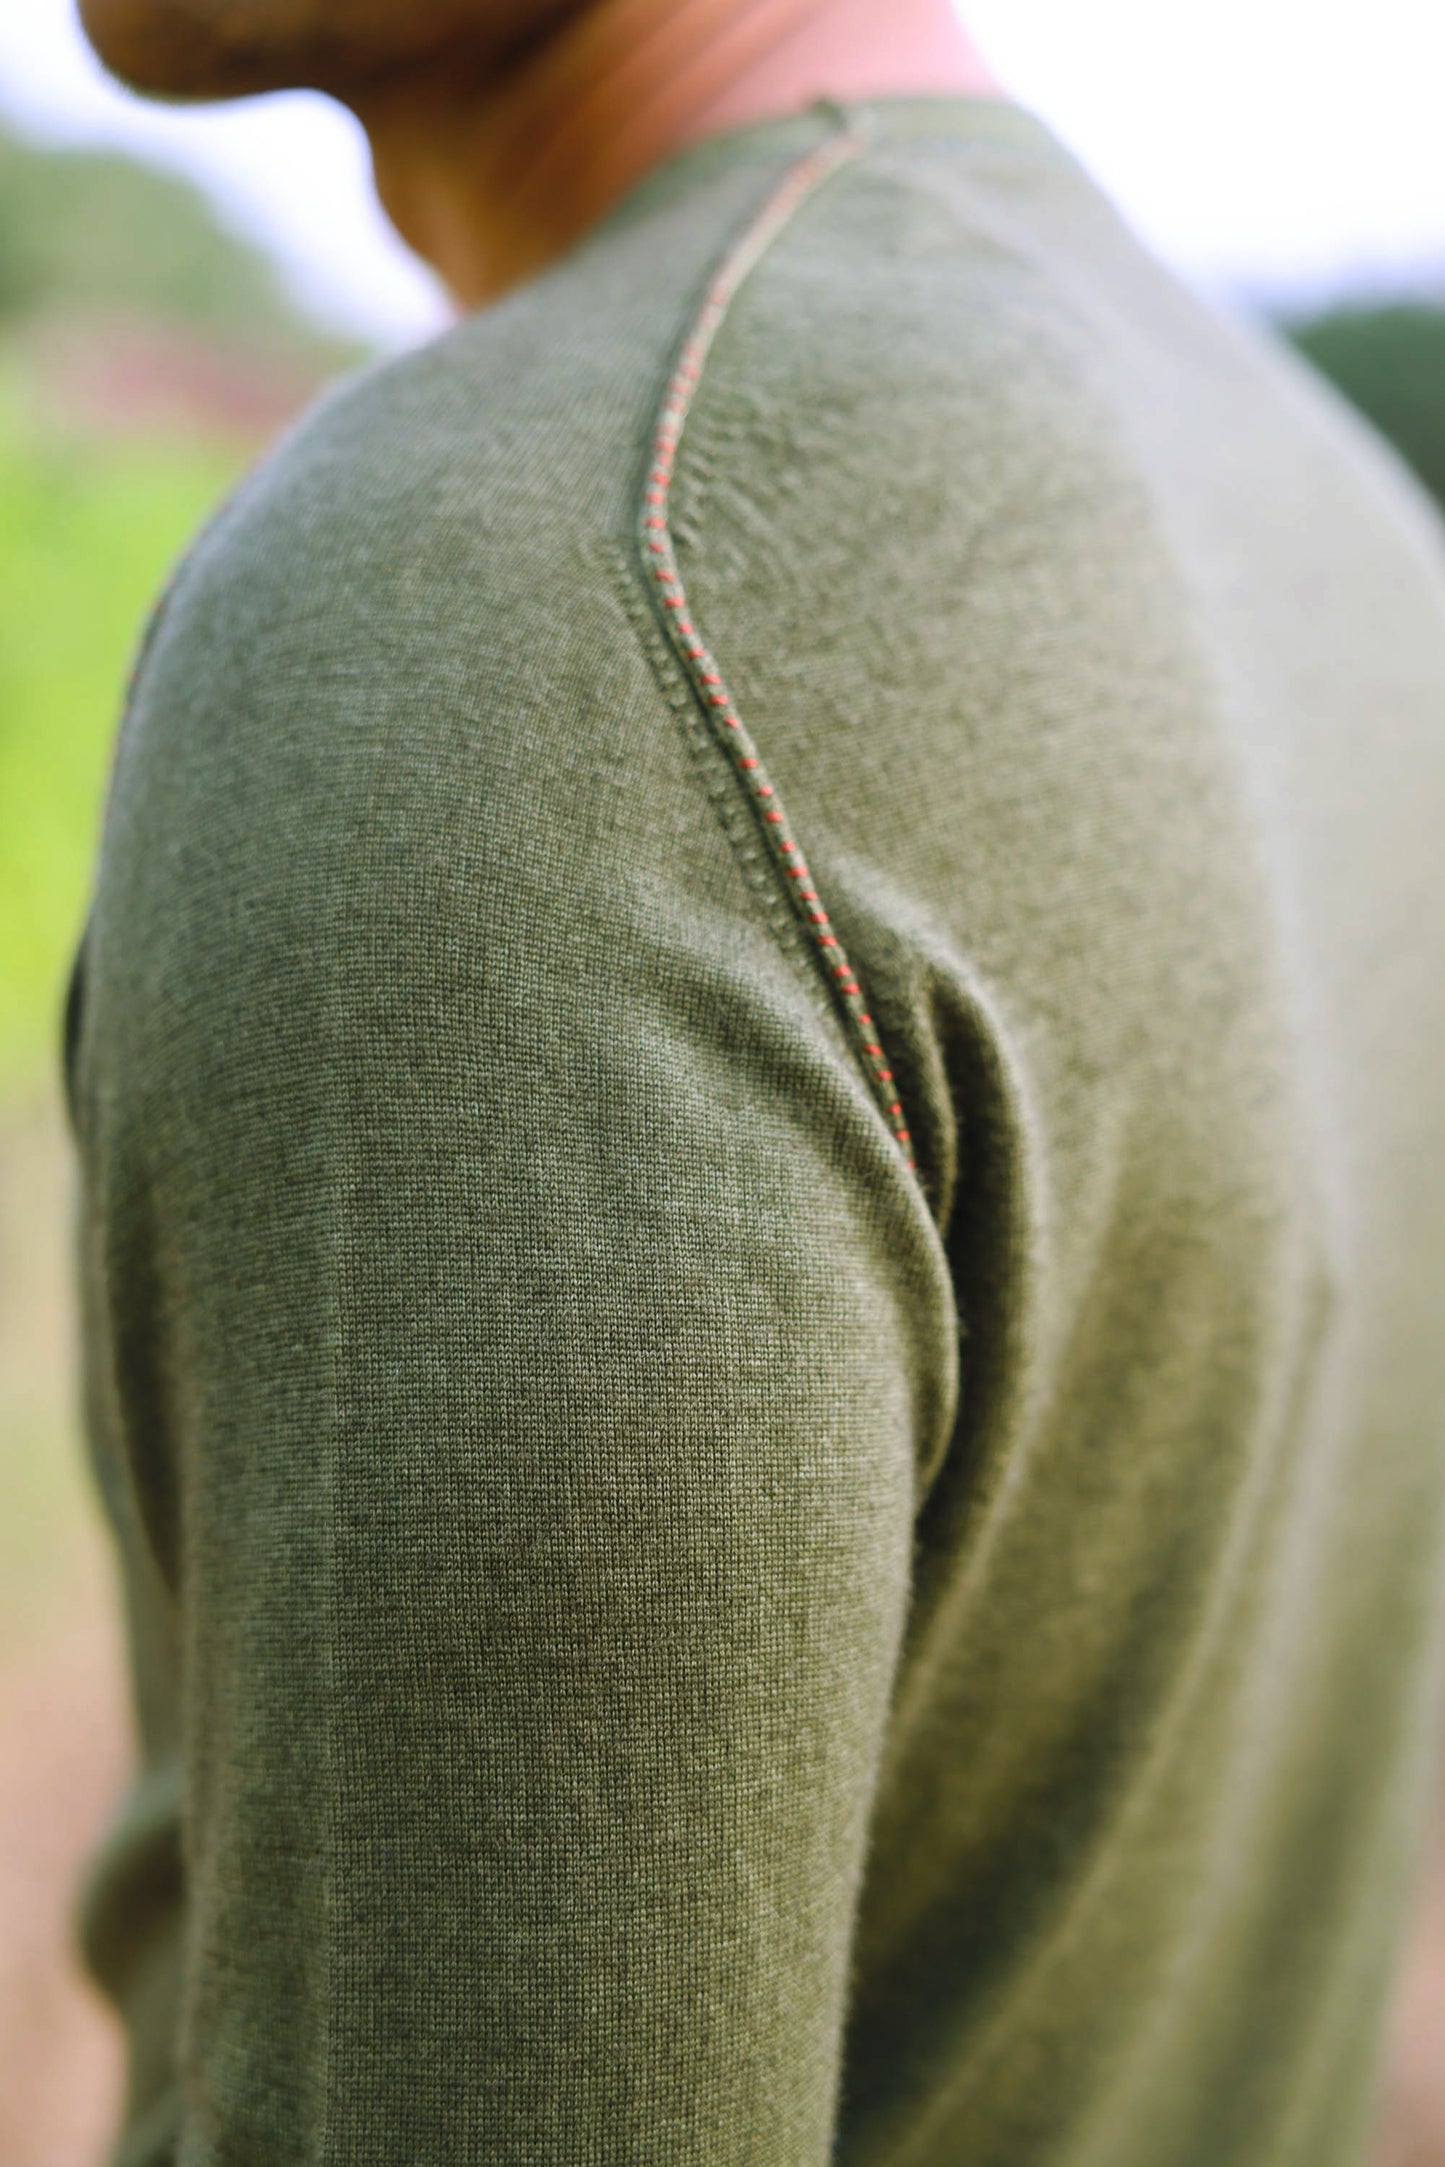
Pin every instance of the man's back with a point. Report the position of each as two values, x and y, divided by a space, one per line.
764 1213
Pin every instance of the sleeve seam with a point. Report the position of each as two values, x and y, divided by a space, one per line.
654 564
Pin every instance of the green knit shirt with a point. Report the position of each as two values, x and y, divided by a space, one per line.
761 1214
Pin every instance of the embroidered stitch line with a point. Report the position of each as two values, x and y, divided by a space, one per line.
699 662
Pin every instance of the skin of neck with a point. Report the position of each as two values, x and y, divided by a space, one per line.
490 181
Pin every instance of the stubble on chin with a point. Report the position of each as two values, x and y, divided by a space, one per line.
194 48
202 49
216 49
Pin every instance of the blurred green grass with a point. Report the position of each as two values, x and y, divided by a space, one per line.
89 526
134 330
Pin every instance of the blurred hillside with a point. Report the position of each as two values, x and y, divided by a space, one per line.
132 306
99 232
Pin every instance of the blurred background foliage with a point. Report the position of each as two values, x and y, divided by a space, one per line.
1388 358
86 530
147 356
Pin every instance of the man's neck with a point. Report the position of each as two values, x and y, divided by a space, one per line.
490 185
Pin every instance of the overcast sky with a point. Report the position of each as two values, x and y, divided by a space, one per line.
1259 145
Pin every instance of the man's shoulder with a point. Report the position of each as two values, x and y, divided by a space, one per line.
477 446
440 544
876 346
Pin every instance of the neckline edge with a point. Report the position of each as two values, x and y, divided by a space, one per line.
895 117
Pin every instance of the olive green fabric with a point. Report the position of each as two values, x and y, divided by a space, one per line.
660 1634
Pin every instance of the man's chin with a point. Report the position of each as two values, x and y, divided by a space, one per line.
199 49
187 49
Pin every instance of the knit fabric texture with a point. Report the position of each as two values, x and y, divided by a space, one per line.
733 1563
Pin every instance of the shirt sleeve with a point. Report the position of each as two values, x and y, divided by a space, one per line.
518 1340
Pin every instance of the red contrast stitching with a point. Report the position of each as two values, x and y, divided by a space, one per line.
660 560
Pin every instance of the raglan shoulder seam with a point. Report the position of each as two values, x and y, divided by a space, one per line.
656 557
